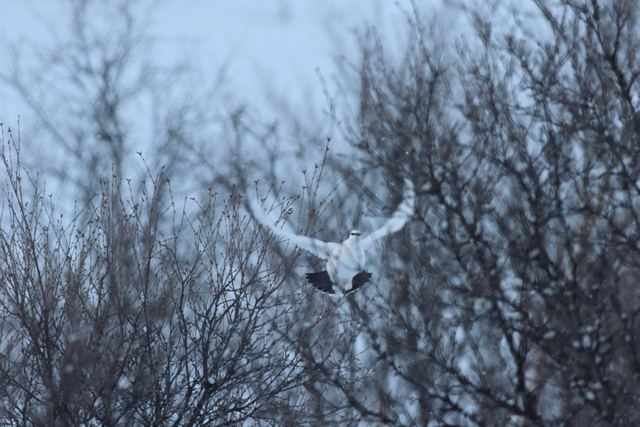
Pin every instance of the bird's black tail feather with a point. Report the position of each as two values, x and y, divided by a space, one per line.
323 283
360 279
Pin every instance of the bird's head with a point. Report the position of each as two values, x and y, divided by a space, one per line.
355 234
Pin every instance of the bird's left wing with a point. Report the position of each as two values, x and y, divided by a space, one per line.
317 247
399 218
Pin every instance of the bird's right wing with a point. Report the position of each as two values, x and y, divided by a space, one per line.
399 218
317 247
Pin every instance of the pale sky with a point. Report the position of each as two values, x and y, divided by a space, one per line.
272 44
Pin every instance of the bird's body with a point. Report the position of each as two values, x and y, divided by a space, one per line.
346 260
345 263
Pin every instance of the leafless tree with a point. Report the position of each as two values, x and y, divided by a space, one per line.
513 298
97 95
115 321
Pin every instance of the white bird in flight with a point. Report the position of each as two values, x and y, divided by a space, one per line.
346 260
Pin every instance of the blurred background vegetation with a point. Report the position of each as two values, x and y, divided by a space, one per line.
137 290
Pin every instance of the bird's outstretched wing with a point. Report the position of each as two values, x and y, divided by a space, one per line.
317 247
399 218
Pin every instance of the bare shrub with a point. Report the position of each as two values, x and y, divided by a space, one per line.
118 321
513 297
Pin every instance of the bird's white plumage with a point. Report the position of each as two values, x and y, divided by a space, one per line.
346 259
403 213
317 247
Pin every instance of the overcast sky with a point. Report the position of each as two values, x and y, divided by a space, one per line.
272 44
